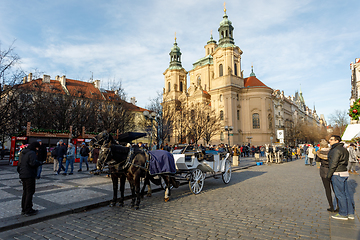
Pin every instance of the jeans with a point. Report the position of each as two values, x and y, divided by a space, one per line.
71 162
306 159
39 171
86 162
345 203
60 159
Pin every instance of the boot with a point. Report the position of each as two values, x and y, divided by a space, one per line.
354 172
349 171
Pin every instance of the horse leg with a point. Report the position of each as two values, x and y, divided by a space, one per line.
175 183
114 179
122 189
167 188
137 190
132 187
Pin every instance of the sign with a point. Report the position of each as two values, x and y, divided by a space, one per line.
231 134
280 134
281 140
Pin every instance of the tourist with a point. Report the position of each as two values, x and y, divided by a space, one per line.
61 153
84 154
311 154
352 159
70 158
42 155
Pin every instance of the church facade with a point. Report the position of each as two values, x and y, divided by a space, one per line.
216 80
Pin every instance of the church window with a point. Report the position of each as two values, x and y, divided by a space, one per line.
270 121
256 121
279 123
169 87
235 69
181 86
221 73
230 33
208 51
226 33
221 136
221 97
212 49
238 114
237 97
221 115
222 34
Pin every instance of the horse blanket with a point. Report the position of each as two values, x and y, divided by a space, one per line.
161 162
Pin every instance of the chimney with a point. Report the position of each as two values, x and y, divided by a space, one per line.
46 78
133 100
97 84
63 80
30 77
25 79
57 78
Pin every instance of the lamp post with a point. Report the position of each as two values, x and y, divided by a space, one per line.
228 129
151 116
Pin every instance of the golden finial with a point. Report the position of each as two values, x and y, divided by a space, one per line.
211 32
175 36
225 7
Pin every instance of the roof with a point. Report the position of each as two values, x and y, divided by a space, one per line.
35 85
78 88
252 81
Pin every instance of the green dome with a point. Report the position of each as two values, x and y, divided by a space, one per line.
225 21
175 48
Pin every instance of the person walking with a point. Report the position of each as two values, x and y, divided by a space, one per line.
70 158
305 154
352 159
27 169
54 156
311 154
42 155
84 154
61 153
338 160
322 158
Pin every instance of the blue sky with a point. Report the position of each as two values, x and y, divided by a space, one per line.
292 44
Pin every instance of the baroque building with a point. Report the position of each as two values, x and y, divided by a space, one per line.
355 80
253 110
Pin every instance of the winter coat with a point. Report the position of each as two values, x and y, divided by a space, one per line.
70 154
84 151
338 159
28 163
61 151
42 153
352 154
310 152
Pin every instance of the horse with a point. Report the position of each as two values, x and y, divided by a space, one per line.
127 163
268 154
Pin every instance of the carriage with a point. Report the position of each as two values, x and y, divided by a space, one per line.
194 164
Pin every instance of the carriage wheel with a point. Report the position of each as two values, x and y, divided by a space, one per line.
196 182
163 184
226 176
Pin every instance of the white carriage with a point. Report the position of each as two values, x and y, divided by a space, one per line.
195 164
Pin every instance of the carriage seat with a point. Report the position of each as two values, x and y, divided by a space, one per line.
208 157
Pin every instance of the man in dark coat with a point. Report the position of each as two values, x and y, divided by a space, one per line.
61 153
27 169
42 155
338 160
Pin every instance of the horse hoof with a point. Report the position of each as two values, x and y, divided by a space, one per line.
137 208
166 199
148 195
121 204
112 204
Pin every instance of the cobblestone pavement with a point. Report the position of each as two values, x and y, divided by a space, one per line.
277 201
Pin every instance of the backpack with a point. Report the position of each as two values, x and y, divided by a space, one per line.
53 152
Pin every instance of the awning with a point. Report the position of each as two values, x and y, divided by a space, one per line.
351 131
131 136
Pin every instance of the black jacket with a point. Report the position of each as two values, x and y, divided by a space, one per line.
42 153
28 163
61 151
338 159
84 151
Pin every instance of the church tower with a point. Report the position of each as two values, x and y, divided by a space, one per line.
175 77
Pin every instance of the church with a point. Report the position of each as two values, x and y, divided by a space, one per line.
216 80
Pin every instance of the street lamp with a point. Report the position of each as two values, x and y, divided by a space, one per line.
228 129
151 116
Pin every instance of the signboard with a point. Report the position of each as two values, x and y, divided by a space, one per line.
280 134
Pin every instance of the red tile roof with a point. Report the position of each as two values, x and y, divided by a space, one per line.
83 89
253 82
35 85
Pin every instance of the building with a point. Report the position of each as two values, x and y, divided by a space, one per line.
253 110
355 80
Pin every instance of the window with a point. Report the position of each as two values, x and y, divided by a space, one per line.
169 86
238 114
221 115
237 97
221 136
256 121
221 70
221 97
199 81
208 51
235 69
181 86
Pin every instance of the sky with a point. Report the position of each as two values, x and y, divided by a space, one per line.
294 45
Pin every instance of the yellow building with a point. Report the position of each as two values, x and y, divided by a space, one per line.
217 80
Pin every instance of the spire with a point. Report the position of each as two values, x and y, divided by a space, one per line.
175 56
226 31
252 74
211 39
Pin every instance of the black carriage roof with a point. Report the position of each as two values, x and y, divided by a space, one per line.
128 137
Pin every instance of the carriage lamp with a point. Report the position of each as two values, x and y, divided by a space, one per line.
228 129
151 116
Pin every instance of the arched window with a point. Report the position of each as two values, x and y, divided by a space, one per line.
256 121
238 114
237 97
181 86
169 87
199 81
221 136
221 115
222 34
226 33
221 97
221 70
208 51
235 69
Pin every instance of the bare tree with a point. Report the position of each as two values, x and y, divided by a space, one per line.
339 118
